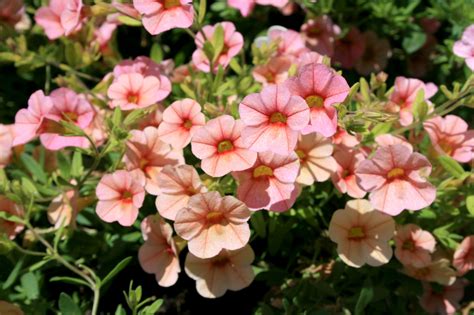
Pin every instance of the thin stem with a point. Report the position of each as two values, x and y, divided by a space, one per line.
28 252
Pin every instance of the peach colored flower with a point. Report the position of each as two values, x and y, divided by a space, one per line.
404 95
7 308
147 153
220 147
274 72
273 119
126 9
159 255
246 6
10 228
180 122
349 49
450 136
317 164
321 88
29 121
344 178
60 18
211 223
134 91
97 130
309 57
233 43
375 56
345 139
6 143
388 139
270 182
177 185
394 178
290 43
413 246
464 47
463 259
70 107
153 119
362 234
120 196
11 11
159 16
445 302
64 208
436 271
320 34
230 270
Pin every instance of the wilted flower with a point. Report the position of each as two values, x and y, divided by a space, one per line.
230 270
445 302
320 34
437 271
413 246
10 228
464 47
463 259
11 11
362 234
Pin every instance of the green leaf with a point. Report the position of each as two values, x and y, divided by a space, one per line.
121 265
13 274
77 168
187 90
28 187
34 168
74 53
365 297
29 283
156 53
127 20
153 308
364 89
134 116
120 310
64 165
414 41
202 11
470 204
234 64
451 166
67 306
70 280
217 41
9 217
258 224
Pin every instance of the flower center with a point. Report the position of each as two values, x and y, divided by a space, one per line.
69 116
214 217
422 273
261 171
446 147
408 245
188 124
172 3
220 261
356 233
277 118
314 101
301 154
132 98
269 77
127 196
396 173
224 146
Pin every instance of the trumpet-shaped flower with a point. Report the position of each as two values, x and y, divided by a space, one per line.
61 17
10 228
436 271
320 34
464 47
274 72
12 11
388 139
444 302
463 259
344 178
6 143
413 246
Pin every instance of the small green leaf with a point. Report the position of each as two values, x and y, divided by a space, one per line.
13 274
120 310
127 20
121 265
364 89
77 168
202 11
451 166
28 188
258 224
67 306
70 280
217 41
470 204
156 53
365 297
234 64
153 308
29 283
34 168
414 41
187 90
9 217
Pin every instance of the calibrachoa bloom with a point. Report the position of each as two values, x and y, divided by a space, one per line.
344 139
159 255
246 6
180 122
134 91
11 11
317 164
10 228
464 47
349 49
309 57
64 208
273 119
274 72
177 185
450 135
120 196
220 147
388 139
320 34
159 16
6 143
230 270
233 43
270 182
463 259
290 43
413 246
321 88
444 302
146 152
10 309
437 271
153 119
394 179
61 17
375 56
29 121
211 223
362 234
404 95
344 178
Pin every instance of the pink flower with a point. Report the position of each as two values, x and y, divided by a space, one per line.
8 308
404 95
29 122
6 143
317 164
181 120
464 47
246 6
134 91
388 139
344 178
159 255
320 34
450 136
147 153
309 57
321 88
463 259
436 271
61 17
153 119
445 302
220 147
345 139
64 208
11 11
375 56
270 182
70 107
290 43
274 72
413 246
394 178
120 196
349 49
362 234
211 223
10 228
230 270
273 119
233 43
177 185
162 15
126 9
